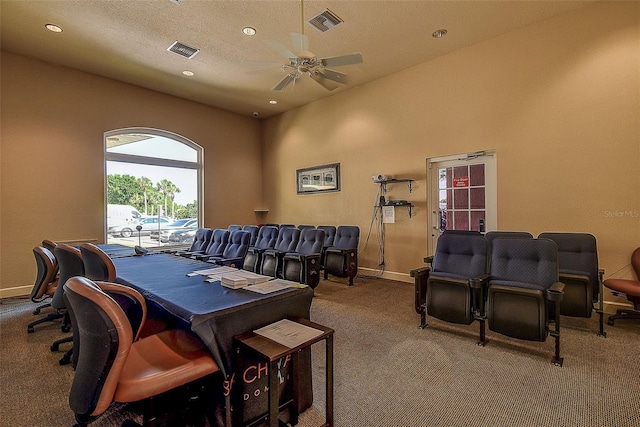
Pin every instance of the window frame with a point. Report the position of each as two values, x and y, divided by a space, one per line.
198 165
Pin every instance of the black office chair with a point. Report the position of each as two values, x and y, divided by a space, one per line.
253 231
523 283
630 288
341 259
267 237
578 266
97 264
45 285
457 280
219 241
303 265
271 263
49 244
113 366
70 264
235 251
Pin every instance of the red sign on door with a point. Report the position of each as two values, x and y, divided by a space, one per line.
461 181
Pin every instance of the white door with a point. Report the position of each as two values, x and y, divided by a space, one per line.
462 194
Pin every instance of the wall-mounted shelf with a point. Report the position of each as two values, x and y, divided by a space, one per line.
384 183
409 206
383 186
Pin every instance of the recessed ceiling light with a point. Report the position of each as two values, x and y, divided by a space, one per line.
249 31
438 34
273 101
53 28
188 73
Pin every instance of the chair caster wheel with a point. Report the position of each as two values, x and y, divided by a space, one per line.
36 311
54 347
610 322
65 361
66 328
30 329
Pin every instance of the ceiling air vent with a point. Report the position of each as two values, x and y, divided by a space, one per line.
325 21
183 50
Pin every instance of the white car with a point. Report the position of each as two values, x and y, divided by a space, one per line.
178 224
148 225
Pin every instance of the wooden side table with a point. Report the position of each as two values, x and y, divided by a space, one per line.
272 351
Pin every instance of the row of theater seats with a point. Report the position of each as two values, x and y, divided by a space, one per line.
518 284
285 251
117 357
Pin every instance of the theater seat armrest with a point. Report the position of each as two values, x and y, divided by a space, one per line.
294 255
202 257
419 271
428 259
229 262
332 250
189 254
479 281
555 291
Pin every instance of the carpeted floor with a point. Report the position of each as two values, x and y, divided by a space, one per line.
387 371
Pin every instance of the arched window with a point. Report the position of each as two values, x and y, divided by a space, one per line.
153 179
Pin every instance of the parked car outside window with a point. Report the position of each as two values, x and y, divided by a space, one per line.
177 234
148 224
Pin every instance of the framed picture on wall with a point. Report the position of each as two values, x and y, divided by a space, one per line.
318 179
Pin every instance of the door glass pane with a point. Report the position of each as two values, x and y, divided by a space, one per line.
476 198
476 175
461 197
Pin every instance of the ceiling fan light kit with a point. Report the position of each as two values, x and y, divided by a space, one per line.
303 62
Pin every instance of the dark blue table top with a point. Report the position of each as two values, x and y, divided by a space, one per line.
163 279
215 313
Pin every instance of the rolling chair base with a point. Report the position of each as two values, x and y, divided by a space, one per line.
50 318
622 314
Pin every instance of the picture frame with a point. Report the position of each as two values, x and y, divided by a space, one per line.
318 179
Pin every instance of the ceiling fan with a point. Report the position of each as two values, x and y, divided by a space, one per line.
303 62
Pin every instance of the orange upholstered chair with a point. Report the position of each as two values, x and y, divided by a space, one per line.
112 366
45 284
631 288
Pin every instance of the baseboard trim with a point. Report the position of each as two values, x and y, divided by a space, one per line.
389 275
18 291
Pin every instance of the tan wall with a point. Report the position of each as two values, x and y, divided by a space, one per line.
559 101
52 178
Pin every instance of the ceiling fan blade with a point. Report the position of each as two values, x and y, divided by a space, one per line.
254 67
326 83
335 76
338 61
300 42
278 47
285 82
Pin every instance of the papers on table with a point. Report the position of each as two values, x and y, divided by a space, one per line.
234 278
210 271
273 286
288 333
241 278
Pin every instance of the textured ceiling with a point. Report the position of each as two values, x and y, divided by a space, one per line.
128 41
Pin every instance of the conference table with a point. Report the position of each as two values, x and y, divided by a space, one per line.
215 314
